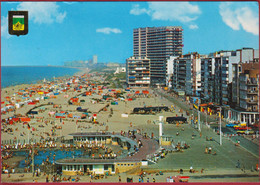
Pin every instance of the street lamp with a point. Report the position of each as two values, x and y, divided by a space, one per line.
199 114
220 138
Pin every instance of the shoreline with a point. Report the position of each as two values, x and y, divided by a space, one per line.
78 73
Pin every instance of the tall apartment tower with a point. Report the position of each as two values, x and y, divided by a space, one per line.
158 44
95 60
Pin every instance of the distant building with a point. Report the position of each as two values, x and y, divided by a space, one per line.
138 71
75 64
158 44
111 64
120 70
95 59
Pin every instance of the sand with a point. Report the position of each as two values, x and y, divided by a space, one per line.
115 123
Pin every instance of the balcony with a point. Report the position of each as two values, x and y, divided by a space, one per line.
251 81
224 78
252 92
250 101
224 72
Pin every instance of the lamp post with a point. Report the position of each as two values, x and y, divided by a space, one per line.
220 137
199 114
160 129
206 117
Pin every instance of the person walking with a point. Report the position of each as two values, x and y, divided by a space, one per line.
119 178
238 164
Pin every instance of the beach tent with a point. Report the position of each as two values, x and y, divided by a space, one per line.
15 119
70 116
22 119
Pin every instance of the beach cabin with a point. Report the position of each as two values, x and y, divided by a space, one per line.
95 167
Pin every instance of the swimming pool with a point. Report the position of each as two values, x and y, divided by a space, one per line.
43 154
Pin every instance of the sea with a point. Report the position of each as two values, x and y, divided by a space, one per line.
16 75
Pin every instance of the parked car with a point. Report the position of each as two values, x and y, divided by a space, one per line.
249 132
243 128
236 126
231 125
241 132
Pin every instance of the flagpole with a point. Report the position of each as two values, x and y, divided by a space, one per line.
28 136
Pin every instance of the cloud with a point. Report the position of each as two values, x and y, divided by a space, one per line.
108 30
237 15
136 10
183 12
174 11
43 12
4 27
193 26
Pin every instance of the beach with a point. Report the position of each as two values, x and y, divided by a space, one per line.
50 112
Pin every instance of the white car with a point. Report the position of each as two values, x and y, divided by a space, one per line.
249 132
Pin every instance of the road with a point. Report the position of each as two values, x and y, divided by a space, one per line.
245 143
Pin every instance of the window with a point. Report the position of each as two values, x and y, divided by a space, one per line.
105 167
113 168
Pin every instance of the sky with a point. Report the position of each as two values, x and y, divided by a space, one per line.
74 31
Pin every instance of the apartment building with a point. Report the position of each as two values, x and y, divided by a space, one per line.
169 71
224 60
207 77
158 44
244 106
138 71
187 74
95 59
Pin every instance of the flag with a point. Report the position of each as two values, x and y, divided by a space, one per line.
18 22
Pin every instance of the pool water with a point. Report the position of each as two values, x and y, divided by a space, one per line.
42 156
